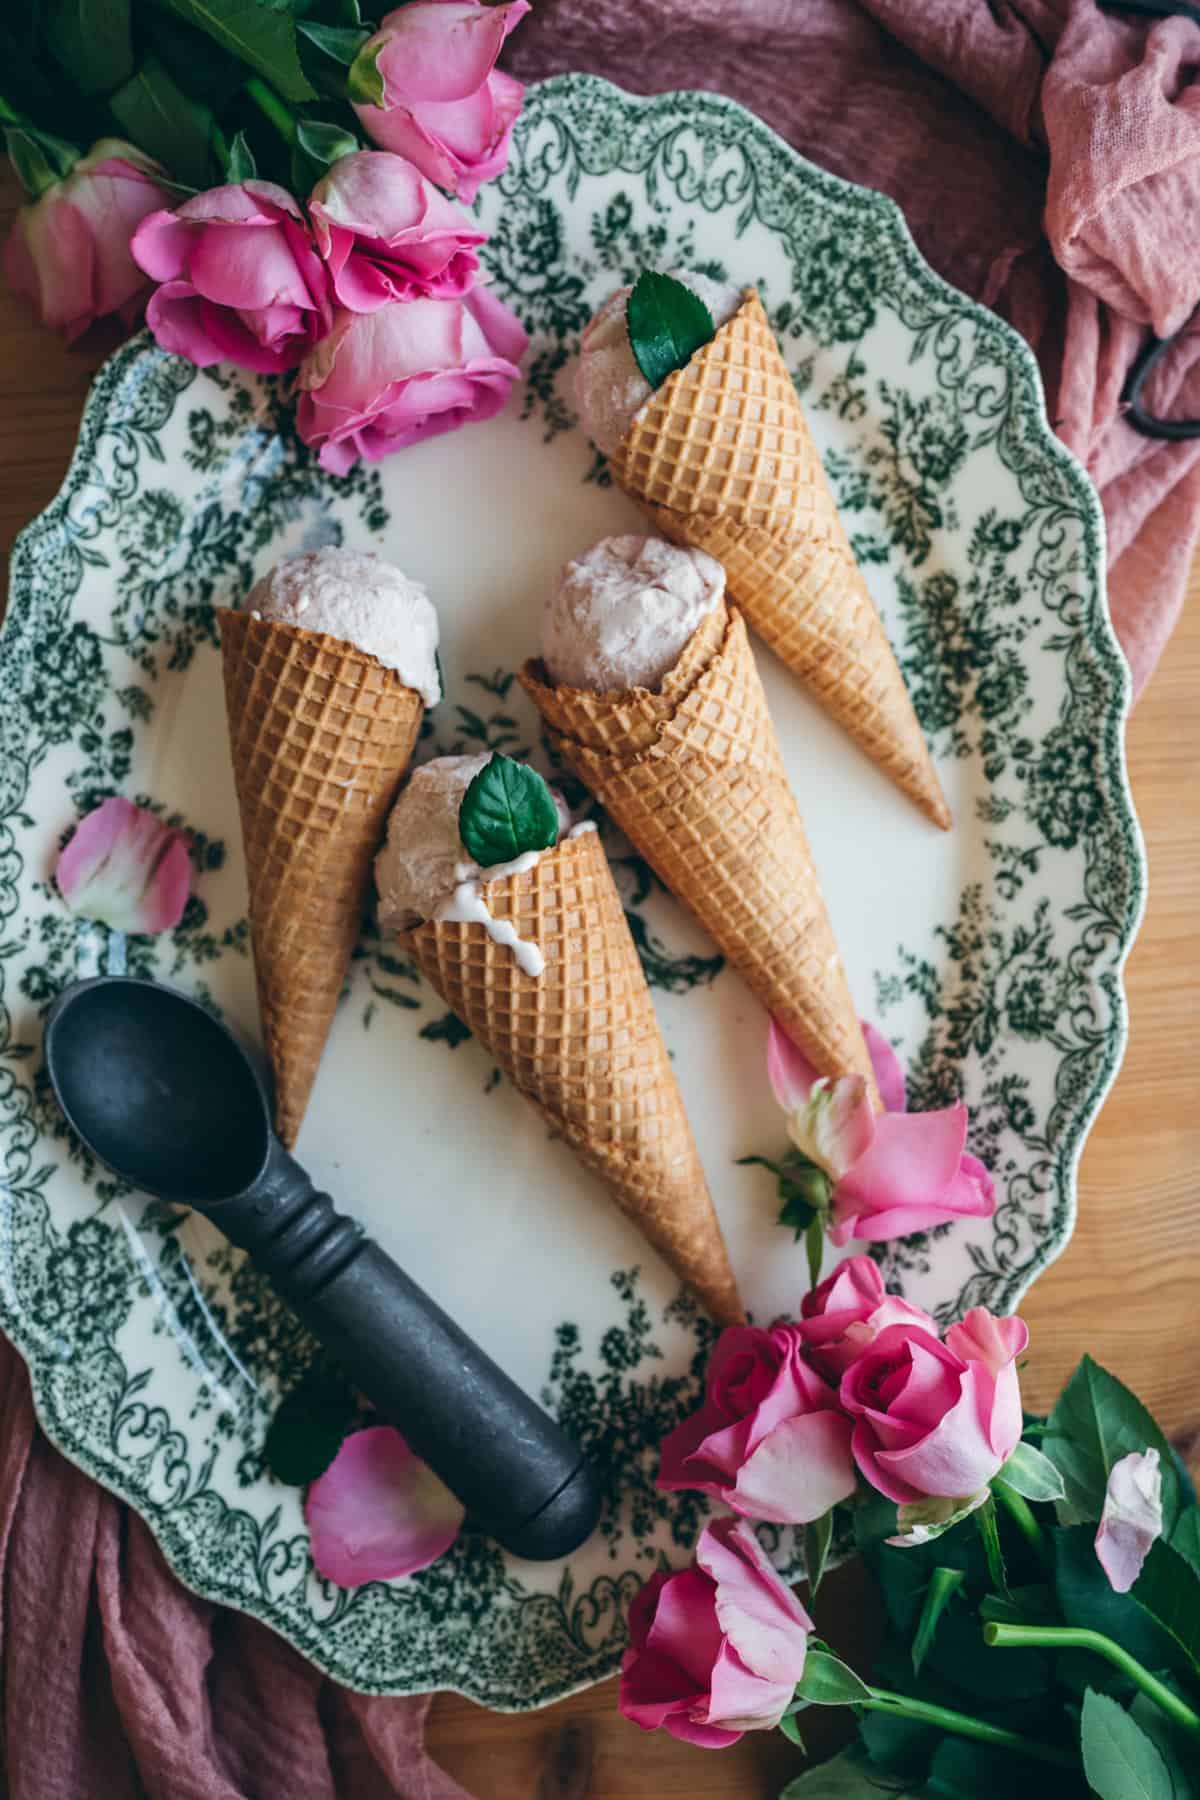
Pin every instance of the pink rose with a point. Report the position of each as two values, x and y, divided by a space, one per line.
769 1440
68 253
936 1420
841 1316
241 280
715 1649
446 106
386 234
389 378
892 1173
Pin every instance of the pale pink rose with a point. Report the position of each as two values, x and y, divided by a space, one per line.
68 252
1132 1518
841 1316
378 1511
446 105
127 869
717 1648
769 1439
891 1173
389 378
241 278
387 234
934 1420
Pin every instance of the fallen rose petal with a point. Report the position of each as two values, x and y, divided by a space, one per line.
378 1511
1132 1518
125 868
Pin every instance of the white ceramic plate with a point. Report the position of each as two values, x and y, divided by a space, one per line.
991 955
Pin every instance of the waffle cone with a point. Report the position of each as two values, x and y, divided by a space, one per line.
693 777
320 735
721 458
582 1042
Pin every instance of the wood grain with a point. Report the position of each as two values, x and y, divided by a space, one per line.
1125 1288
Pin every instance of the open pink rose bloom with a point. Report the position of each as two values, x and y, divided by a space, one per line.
849 1309
387 234
769 1439
127 869
446 106
892 1173
378 1511
936 1419
716 1649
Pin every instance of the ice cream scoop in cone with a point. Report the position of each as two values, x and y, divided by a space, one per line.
720 458
692 774
580 1039
320 733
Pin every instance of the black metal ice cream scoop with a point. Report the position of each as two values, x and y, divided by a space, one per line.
165 1096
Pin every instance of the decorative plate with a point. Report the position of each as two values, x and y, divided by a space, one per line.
991 956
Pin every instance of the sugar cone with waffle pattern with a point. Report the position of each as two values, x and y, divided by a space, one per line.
721 458
693 776
582 1042
321 734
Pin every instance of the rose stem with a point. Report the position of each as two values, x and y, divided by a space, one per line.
1070 1637
899 1706
1021 1514
269 103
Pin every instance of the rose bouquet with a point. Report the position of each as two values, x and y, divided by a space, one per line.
1040 1577
281 188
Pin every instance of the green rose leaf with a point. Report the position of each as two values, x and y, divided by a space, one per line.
827 1681
39 159
814 1248
159 117
91 39
1185 1539
507 810
817 1538
943 1583
1168 1588
264 37
667 324
1096 1422
325 143
1119 1760
792 1732
341 42
846 1777
1086 1598
309 1427
240 164
1032 1474
364 83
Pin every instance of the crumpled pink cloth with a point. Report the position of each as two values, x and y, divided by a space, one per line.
1047 158
119 1684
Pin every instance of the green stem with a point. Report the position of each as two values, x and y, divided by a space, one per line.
900 1706
1069 1637
1021 1514
272 107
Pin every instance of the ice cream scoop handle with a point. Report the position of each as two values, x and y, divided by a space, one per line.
516 1471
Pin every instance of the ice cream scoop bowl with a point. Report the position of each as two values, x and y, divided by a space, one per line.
166 1096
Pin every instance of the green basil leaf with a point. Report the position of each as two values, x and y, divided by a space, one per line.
325 143
1096 1422
364 83
264 37
1168 1588
1033 1475
92 41
1119 1760
309 1427
160 118
827 1681
817 1538
943 1583
507 810
241 165
667 324
341 42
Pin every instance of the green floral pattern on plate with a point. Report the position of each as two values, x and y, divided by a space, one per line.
156 1353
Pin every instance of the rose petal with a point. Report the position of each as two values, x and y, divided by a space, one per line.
1132 1518
790 1072
798 1471
755 1608
124 867
889 1074
378 1511
911 1161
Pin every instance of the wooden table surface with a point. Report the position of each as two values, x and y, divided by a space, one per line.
1125 1289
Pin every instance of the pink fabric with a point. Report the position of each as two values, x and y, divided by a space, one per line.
1047 158
118 1684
